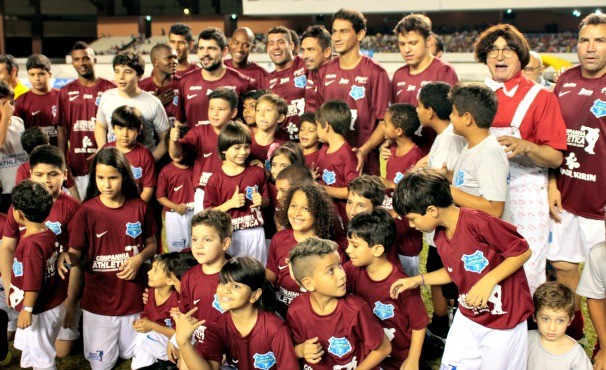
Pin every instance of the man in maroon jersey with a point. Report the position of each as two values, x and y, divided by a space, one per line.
195 86
316 47
359 81
241 43
289 78
76 112
576 190
181 39
163 81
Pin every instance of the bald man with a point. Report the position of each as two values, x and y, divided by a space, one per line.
534 70
241 43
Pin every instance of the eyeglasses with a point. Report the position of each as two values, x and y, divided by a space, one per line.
531 69
507 52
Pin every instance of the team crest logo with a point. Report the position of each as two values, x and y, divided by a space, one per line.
17 268
266 360
176 100
398 178
97 101
216 304
267 165
599 108
383 311
96 356
357 92
54 226
137 172
168 323
250 191
474 262
329 177
300 81
133 229
459 178
339 346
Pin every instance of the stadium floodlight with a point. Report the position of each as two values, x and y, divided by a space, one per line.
598 12
186 11
576 13
509 11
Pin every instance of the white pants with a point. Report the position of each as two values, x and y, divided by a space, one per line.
82 184
249 242
178 230
571 239
73 333
149 347
198 200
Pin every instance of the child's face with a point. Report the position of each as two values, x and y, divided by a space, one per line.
233 295
126 137
249 111
267 116
38 77
359 252
109 182
206 244
308 135
125 78
299 213
390 130
219 112
328 277
237 154
322 132
424 223
423 113
552 324
156 277
356 204
49 175
278 163
282 185
458 123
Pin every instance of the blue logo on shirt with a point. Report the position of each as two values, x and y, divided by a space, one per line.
599 108
250 190
264 361
133 229
97 101
176 100
216 304
475 262
329 177
383 311
398 178
168 323
97 356
137 172
268 165
54 226
459 178
17 268
339 346
300 81
357 92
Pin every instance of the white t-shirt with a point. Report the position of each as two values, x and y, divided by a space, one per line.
593 279
446 148
539 358
12 154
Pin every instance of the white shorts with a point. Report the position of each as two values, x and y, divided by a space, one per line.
249 242
571 240
198 200
82 184
107 337
410 264
73 333
37 342
471 346
149 347
11 312
179 236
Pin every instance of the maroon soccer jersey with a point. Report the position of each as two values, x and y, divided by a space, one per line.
397 166
347 335
192 67
171 107
39 110
581 176
311 92
279 249
160 314
142 165
109 237
267 346
76 112
337 169
289 84
253 70
311 159
194 90
35 269
480 243
405 86
202 140
398 317
409 241
221 187
176 184
263 152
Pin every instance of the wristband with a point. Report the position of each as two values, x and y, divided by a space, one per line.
28 309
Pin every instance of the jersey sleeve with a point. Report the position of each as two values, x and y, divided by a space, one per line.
33 268
184 299
162 185
592 284
381 94
78 229
367 328
449 75
409 241
272 257
212 347
502 237
263 188
283 348
292 320
59 118
160 121
149 170
191 140
493 184
149 228
211 193
413 308
19 107
550 128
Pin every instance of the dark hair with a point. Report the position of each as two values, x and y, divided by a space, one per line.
227 94
111 156
555 296
439 42
129 117
280 104
369 187
337 114
355 17
296 174
10 62
593 19
514 39
308 117
476 99
290 150
296 40
434 95
405 117
33 200
282 30
181 29
153 54
6 91
130 59
251 94
220 221
175 263
320 206
301 256
414 22
420 189
233 133
47 154
374 227
250 272
33 137
38 61
81 45
319 33
213 33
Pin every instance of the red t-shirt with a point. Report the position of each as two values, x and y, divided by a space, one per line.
405 86
192 67
253 70
109 237
77 111
39 110
176 184
397 166
409 241
171 107
581 176
160 314
398 317
262 152
481 243
203 141
311 159
142 165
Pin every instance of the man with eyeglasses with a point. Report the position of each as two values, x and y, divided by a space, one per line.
530 127
535 68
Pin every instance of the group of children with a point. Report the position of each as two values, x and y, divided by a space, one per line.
280 255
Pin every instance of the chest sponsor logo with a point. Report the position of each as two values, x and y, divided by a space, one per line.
411 88
133 229
292 130
474 262
586 92
84 125
86 142
55 227
329 177
586 138
343 81
194 88
383 311
333 75
339 346
87 97
361 80
284 80
216 304
423 83
250 190
570 84
357 92
300 81
599 108
401 83
264 361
